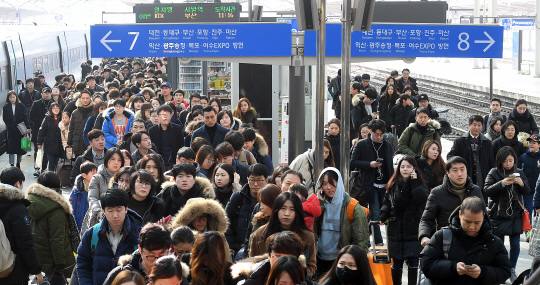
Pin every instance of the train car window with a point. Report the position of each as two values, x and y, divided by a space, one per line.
55 56
34 65
1 81
40 63
45 64
65 58
51 62
5 78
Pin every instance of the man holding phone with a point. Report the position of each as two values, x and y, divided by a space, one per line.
373 157
475 255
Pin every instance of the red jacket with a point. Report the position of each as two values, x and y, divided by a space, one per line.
313 209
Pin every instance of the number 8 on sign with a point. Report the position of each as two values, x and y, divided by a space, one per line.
461 41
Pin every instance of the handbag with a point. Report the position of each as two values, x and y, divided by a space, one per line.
526 220
356 187
534 241
22 128
39 158
26 144
73 232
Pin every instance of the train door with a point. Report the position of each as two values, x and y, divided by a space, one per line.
16 66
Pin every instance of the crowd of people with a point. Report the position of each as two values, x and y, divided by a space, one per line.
173 190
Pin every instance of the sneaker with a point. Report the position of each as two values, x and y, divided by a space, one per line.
29 153
528 236
37 173
513 275
380 244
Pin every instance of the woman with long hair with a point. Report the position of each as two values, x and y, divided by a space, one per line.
328 155
509 137
389 81
206 158
129 277
363 133
209 264
389 99
286 270
494 128
404 203
287 214
225 182
136 103
246 113
112 162
505 189
277 174
128 159
216 103
145 112
143 200
14 113
50 137
431 164
523 118
351 267
334 205
168 270
152 163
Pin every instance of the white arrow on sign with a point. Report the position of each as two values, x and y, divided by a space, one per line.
104 41
490 41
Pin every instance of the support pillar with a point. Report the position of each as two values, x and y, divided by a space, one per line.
495 20
321 91
172 72
345 135
297 117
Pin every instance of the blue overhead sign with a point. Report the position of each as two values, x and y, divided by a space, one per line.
191 40
482 41
293 22
523 24
506 23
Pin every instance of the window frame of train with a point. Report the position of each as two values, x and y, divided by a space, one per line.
56 62
5 78
46 64
51 62
34 64
40 63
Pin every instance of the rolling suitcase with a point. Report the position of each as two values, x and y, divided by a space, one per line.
379 260
63 169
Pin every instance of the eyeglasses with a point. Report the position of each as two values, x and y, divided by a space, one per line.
211 160
143 184
375 134
165 115
258 181
202 218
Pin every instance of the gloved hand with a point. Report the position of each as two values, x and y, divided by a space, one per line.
59 267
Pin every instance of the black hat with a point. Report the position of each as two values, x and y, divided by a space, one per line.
46 89
365 76
534 138
423 97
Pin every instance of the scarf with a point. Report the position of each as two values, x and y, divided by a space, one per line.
422 129
493 134
508 195
331 225
519 116
457 189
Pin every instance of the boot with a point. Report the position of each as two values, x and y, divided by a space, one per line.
18 165
412 276
11 164
396 276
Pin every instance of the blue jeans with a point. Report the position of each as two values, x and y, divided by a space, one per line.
514 248
528 204
411 262
375 197
53 161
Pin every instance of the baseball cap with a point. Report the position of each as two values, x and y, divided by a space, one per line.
535 138
423 97
46 89
165 84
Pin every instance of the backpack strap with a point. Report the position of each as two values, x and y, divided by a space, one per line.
248 157
95 238
447 241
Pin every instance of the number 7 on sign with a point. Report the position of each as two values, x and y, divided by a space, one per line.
134 40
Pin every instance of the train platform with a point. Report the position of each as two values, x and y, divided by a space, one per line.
460 72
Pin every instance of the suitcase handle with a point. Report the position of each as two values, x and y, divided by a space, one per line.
383 258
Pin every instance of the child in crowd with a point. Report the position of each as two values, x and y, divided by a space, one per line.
79 194
310 205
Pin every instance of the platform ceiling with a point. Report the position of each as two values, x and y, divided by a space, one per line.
74 12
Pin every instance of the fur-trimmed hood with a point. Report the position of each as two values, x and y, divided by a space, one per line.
245 267
204 183
358 98
78 104
9 192
261 144
148 89
45 200
128 259
195 207
436 125
411 104
62 126
259 219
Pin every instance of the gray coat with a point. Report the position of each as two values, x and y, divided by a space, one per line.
76 127
98 185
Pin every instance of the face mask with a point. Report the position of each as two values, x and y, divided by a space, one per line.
346 275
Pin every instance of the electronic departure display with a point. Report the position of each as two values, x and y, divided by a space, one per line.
187 12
